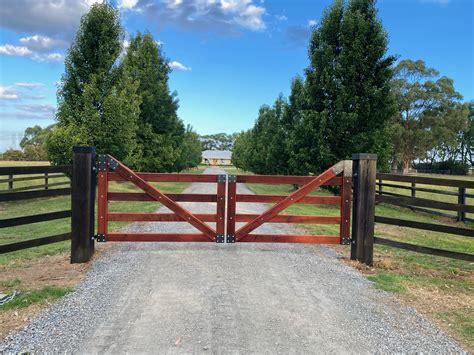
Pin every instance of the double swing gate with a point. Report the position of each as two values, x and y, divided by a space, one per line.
226 198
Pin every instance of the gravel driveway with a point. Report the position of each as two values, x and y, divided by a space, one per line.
234 298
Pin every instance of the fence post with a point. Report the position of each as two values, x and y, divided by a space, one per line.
82 204
461 201
364 168
413 189
10 182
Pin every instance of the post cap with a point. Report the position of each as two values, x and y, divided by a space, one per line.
82 149
364 156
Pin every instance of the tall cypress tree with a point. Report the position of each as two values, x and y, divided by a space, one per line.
97 105
160 132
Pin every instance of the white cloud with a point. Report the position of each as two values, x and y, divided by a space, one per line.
312 23
29 85
9 49
127 4
40 43
36 47
281 18
178 66
48 17
224 16
7 93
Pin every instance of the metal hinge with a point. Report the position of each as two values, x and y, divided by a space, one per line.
100 238
220 238
230 239
346 241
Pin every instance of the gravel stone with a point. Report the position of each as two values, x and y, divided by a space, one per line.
226 298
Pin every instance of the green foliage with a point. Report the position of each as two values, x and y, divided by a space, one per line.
344 105
429 116
12 154
218 141
191 149
98 104
451 167
160 134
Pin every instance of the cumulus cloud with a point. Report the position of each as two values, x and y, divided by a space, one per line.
178 66
7 93
225 16
36 47
57 18
312 23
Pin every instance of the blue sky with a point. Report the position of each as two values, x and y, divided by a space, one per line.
229 56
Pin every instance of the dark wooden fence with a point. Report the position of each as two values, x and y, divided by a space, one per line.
364 215
48 188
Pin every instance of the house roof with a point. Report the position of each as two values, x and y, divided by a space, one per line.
216 154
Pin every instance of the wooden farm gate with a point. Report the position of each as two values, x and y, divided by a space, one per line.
225 217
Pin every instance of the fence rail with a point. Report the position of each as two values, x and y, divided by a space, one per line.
426 205
47 189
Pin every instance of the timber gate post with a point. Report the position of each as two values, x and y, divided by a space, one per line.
363 212
82 204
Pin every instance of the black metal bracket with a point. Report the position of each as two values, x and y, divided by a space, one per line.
232 178
113 164
221 178
230 239
100 238
220 238
102 162
346 241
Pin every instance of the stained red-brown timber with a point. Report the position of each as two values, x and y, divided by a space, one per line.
129 175
285 179
102 189
289 238
138 196
156 237
156 217
346 192
316 182
220 209
166 177
282 218
231 205
316 200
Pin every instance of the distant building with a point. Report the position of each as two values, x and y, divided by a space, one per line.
217 157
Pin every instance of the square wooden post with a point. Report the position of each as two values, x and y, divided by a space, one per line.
82 204
363 212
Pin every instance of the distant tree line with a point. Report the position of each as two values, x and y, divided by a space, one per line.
218 141
355 98
119 101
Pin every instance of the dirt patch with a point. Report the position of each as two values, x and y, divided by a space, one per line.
52 270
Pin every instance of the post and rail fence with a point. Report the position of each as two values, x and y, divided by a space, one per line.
367 191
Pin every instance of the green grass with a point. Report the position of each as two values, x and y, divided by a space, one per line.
389 282
28 297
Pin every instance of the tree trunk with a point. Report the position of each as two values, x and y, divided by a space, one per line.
406 166
394 168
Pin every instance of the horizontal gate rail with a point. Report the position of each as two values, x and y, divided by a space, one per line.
285 179
289 238
137 196
282 218
312 200
156 217
165 177
157 237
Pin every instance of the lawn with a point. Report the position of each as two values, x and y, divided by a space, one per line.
441 288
